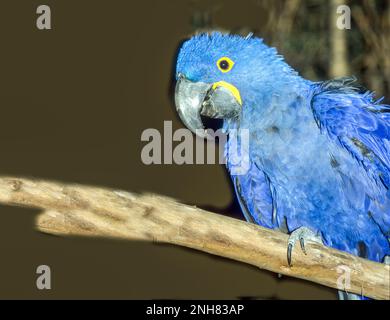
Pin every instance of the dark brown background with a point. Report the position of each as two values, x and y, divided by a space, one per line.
74 101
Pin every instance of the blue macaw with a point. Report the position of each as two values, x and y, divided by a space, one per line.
319 152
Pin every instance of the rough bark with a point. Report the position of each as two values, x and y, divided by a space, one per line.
93 211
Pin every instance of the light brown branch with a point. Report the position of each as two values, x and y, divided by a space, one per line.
92 211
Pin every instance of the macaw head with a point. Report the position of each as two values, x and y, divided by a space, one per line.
220 75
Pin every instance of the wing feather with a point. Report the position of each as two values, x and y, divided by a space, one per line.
361 125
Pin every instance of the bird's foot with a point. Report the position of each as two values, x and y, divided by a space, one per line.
302 234
386 260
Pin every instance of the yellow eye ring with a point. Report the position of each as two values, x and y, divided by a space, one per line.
225 64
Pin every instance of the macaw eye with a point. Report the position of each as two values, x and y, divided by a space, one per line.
225 64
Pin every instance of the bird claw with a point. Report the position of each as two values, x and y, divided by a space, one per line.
302 234
386 260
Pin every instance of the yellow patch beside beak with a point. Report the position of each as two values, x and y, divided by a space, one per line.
230 87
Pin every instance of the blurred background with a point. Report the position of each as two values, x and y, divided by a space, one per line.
75 100
305 32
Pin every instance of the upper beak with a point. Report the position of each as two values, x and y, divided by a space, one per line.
220 100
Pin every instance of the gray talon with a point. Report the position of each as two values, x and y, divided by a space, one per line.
289 249
302 242
302 234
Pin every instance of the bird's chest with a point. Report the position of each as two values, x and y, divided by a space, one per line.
291 153
300 164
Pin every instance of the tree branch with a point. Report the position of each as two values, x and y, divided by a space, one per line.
92 211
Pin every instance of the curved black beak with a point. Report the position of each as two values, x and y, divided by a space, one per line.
194 99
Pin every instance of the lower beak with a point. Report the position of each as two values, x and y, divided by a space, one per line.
194 99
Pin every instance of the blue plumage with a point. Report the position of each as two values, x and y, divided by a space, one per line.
319 151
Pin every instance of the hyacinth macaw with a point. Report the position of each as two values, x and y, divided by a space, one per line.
319 151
